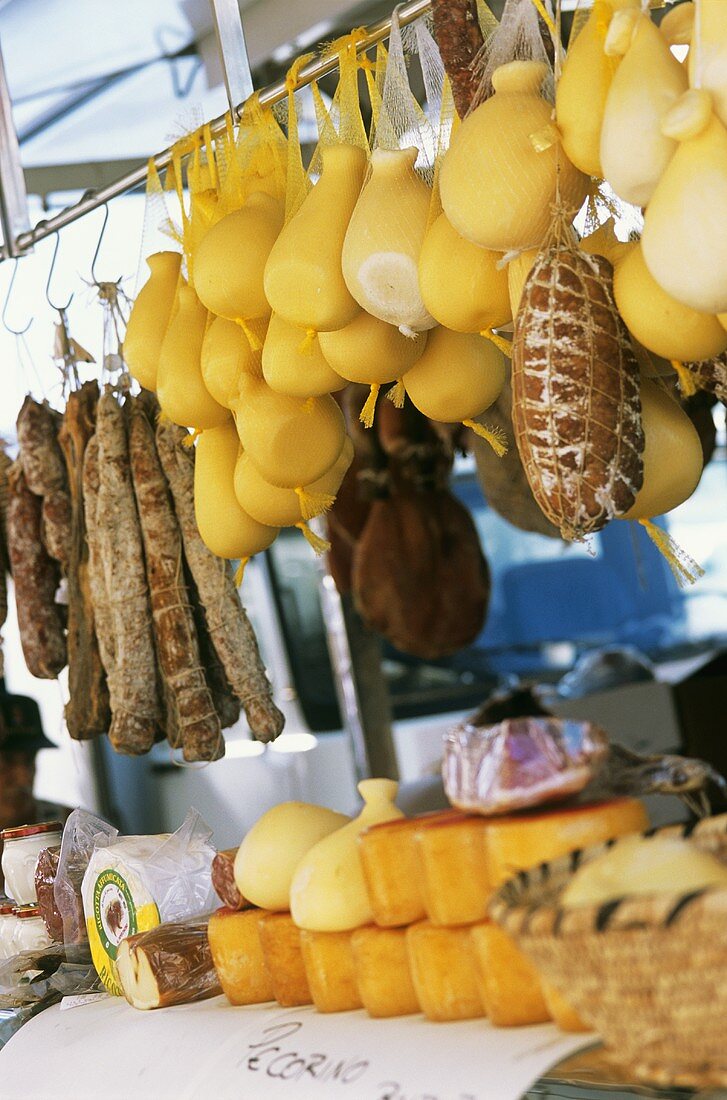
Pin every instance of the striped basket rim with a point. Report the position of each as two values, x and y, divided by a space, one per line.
517 909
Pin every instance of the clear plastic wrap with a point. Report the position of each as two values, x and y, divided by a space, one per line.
168 965
46 871
520 762
80 835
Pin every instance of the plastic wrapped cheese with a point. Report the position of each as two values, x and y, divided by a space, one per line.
167 965
135 883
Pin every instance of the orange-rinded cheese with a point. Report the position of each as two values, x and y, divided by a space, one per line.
383 974
508 982
515 844
236 952
330 970
455 880
443 969
392 870
563 1014
280 941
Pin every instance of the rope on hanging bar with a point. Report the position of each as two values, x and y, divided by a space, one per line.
321 66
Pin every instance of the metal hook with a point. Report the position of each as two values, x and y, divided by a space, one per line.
52 304
94 278
14 331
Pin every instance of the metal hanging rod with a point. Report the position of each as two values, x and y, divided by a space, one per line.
91 200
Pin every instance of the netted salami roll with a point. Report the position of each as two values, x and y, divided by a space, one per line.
459 36
576 403
711 375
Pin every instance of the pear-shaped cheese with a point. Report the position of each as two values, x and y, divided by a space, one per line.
303 276
282 507
708 55
498 177
663 325
677 26
328 892
640 865
685 227
150 317
518 270
384 240
457 378
371 351
230 262
634 151
292 441
226 529
226 354
673 456
293 362
268 856
183 396
461 283
581 93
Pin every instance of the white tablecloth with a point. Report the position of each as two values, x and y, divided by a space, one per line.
107 1050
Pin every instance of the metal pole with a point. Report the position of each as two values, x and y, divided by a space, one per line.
13 197
272 94
233 51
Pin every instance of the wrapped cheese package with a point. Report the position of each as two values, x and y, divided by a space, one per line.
168 965
134 883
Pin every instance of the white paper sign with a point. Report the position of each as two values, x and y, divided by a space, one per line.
214 1050
81 999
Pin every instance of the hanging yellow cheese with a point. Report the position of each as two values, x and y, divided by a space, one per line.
226 529
517 272
708 55
580 97
677 26
384 239
498 177
685 226
673 457
150 317
292 441
230 261
284 507
461 284
183 396
226 354
371 351
658 321
649 80
295 364
457 378
328 891
303 276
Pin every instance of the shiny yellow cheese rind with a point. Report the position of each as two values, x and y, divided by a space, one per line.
182 394
293 363
458 376
371 351
150 316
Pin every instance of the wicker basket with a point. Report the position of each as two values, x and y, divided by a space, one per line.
648 973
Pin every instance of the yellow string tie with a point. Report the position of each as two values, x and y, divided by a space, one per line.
685 569
313 504
545 15
494 436
190 439
252 339
306 347
240 571
397 394
499 341
321 546
366 416
686 379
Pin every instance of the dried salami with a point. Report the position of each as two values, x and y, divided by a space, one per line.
228 625
223 880
45 473
36 576
87 711
133 683
576 402
176 636
711 375
459 37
